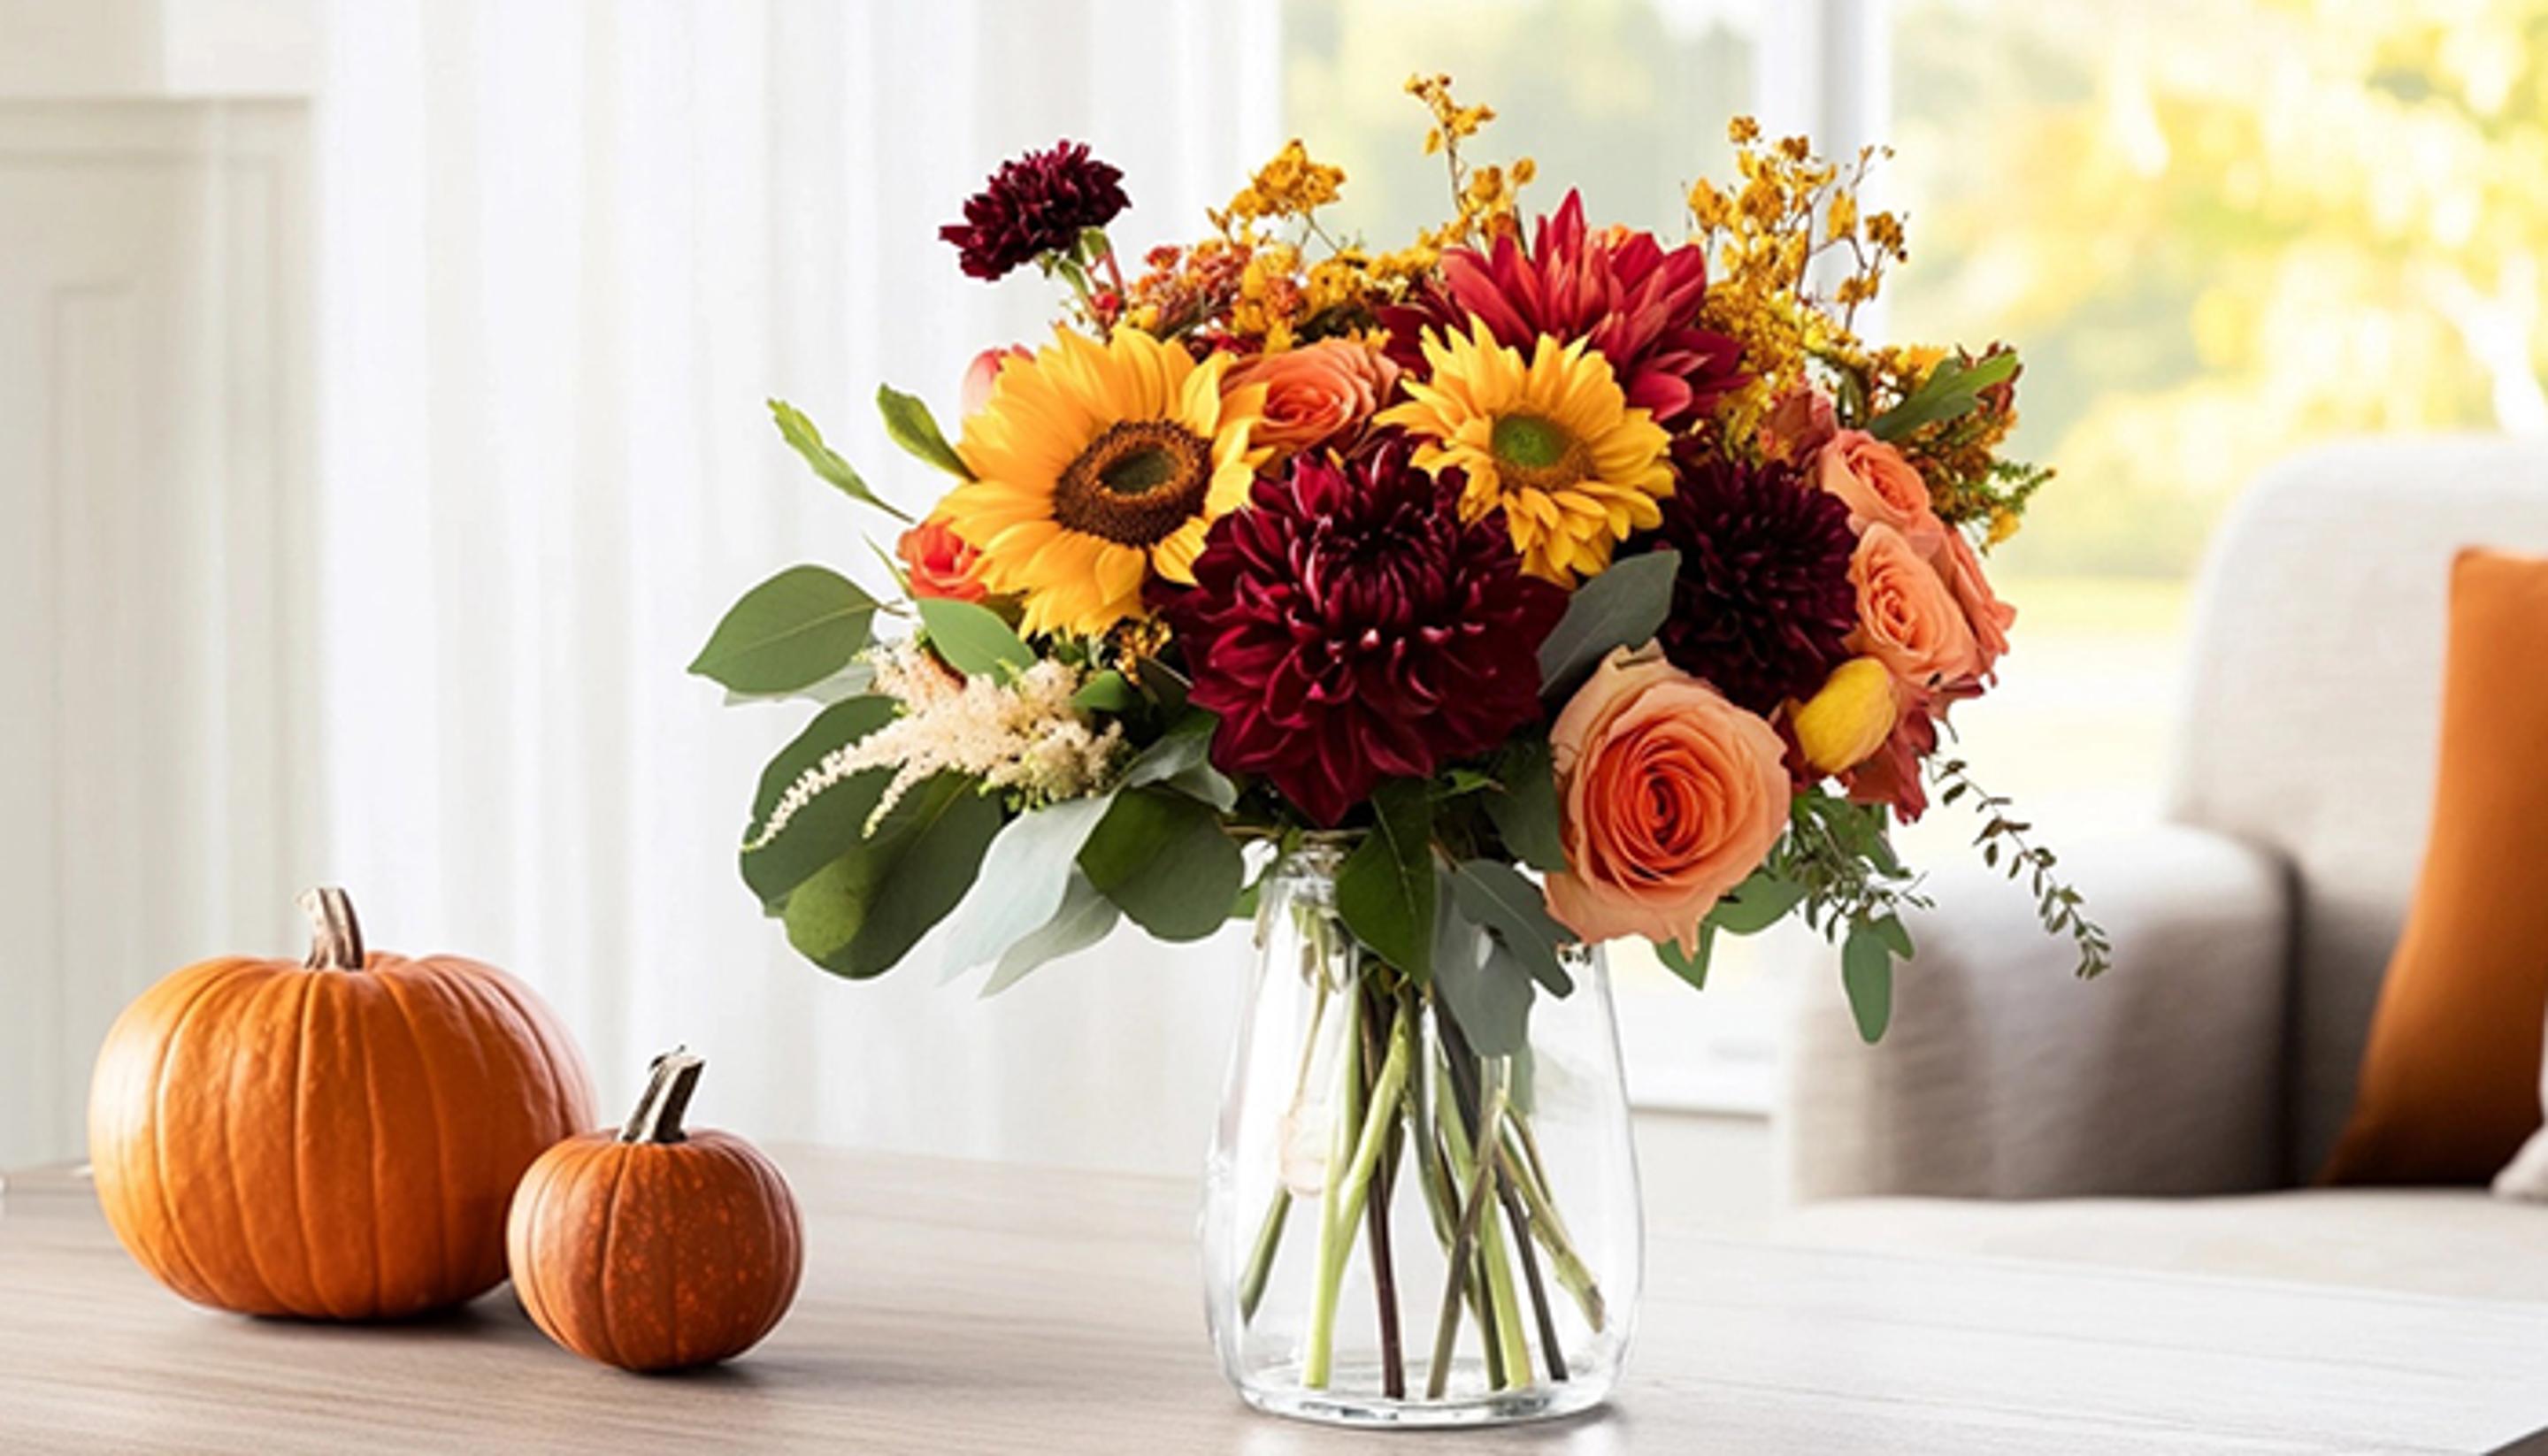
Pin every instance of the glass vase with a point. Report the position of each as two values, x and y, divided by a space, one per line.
1398 1229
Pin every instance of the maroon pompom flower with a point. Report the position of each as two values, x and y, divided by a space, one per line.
1636 302
1037 204
1764 604
1351 628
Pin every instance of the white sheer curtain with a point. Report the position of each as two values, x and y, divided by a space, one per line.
566 251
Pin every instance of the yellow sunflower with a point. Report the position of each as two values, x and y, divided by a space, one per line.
1095 466
1552 443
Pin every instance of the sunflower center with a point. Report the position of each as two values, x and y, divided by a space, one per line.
1538 454
1135 484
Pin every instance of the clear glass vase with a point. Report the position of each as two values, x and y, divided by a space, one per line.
1398 1231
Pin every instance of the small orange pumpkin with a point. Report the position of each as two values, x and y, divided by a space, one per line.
656 1248
335 1139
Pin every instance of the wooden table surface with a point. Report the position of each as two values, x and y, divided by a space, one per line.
954 1308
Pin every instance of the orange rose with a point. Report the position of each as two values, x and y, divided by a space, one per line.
939 562
1315 392
1668 796
1907 616
1987 615
1877 484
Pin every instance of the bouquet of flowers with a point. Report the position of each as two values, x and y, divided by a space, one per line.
1535 583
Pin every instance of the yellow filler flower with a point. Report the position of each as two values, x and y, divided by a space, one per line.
1551 443
1096 466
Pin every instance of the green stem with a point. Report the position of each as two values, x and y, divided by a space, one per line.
1473 1227
1260 1261
1565 1265
1490 1239
1322 1308
1341 1207
1269 1231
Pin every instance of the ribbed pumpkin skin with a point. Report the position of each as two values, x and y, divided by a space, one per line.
338 1144
656 1256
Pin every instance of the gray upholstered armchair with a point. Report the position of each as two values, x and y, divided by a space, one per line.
2250 933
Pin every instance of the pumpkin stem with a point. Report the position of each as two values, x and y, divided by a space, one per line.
336 937
658 1118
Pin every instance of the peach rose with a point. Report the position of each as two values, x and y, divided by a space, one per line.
1987 615
1668 796
939 562
984 372
1315 392
1907 616
1877 484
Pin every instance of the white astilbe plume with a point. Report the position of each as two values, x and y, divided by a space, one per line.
1022 736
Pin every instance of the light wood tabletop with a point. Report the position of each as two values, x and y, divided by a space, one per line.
957 1308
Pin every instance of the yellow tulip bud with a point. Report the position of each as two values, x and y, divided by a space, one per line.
1850 718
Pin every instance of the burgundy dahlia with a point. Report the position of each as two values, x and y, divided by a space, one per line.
1637 303
1763 601
1037 204
1350 628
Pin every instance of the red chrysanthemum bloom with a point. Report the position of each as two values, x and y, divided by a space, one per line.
1351 628
1036 204
1764 606
1636 302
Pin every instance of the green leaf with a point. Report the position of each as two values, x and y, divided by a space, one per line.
1106 692
1758 903
789 633
1866 975
1162 858
851 682
1895 936
1623 606
1524 808
908 422
805 440
1951 390
1385 891
1024 875
864 911
1085 918
1182 759
1482 984
1496 897
835 821
971 637
1691 968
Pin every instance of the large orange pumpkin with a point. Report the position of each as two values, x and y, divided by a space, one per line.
656 1248
335 1138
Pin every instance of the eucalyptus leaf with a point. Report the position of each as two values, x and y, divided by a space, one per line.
789 633
1487 989
807 441
1105 693
864 911
908 422
829 825
1623 606
1497 899
1866 975
1895 935
1692 967
1182 759
1386 890
1162 858
1760 901
1951 390
1024 875
972 638
851 682
1085 918
1523 805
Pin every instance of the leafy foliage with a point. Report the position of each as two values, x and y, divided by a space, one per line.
807 441
1386 890
790 632
973 639
908 424
1621 607
2004 845
863 912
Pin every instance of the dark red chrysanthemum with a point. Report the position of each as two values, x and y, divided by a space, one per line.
1763 601
1350 628
1038 203
1636 302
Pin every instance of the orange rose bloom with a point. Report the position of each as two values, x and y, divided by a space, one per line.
1315 392
939 562
1668 796
1987 615
1907 617
1877 484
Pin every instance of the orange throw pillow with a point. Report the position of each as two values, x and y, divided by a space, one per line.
2449 1088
